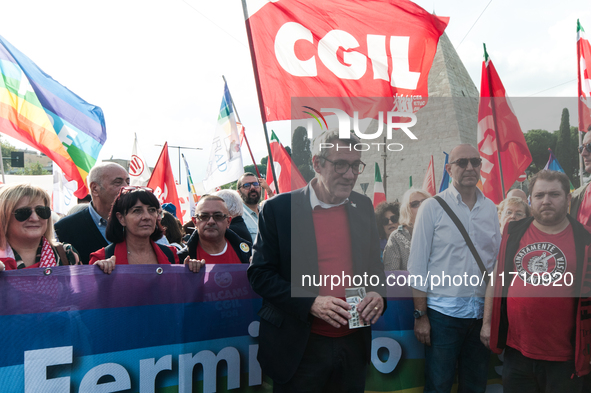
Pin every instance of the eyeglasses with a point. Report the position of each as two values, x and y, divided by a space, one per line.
23 214
216 216
387 220
518 214
253 184
463 162
341 167
415 204
585 146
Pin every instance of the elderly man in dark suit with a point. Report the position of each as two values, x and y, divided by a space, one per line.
85 230
305 343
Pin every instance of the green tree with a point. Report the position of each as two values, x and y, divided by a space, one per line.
538 142
7 148
302 153
264 161
34 169
250 168
564 151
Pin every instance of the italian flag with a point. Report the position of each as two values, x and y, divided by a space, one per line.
379 195
584 85
289 177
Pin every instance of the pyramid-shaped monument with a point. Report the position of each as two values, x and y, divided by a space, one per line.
449 118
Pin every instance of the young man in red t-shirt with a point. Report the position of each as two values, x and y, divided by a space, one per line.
537 313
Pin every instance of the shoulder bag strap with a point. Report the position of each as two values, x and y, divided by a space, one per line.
460 226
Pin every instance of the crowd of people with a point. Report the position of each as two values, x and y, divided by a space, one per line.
532 301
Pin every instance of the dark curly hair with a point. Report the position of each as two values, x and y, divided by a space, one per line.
122 204
381 209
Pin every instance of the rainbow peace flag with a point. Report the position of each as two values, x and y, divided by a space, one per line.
42 113
554 165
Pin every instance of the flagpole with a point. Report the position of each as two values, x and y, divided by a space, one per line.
259 93
2 166
578 107
256 168
494 115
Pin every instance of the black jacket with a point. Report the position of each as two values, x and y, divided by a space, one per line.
286 247
81 232
239 227
242 248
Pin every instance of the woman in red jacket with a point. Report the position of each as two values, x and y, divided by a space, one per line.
133 227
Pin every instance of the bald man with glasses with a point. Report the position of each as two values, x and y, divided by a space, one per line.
448 313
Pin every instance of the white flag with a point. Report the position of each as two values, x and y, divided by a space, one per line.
225 158
139 172
63 192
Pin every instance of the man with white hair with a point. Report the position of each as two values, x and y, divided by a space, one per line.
86 230
235 209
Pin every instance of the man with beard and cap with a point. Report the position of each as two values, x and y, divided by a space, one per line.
249 187
540 312
448 316
212 242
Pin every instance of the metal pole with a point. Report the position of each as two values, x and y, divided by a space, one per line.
256 168
385 179
494 115
259 93
581 160
179 149
2 166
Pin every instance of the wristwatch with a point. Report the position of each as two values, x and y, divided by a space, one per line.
418 313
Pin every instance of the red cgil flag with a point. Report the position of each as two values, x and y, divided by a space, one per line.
289 177
429 181
584 68
498 131
162 182
340 48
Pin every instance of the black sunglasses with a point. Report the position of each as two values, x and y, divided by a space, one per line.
387 220
585 146
253 184
23 214
463 162
206 216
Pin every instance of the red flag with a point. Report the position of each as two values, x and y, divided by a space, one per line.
498 131
584 68
340 48
289 177
379 195
162 182
429 181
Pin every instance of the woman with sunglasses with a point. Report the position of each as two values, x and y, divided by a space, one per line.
26 230
133 227
387 218
398 247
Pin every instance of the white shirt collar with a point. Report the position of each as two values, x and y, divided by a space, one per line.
458 196
314 201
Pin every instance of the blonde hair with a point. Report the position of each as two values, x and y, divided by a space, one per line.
9 198
515 201
405 213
